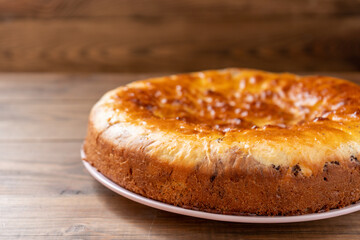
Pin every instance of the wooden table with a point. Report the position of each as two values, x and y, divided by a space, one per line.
45 192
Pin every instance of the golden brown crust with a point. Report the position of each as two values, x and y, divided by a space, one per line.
264 191
201 161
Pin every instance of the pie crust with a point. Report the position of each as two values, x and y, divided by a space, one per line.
232 141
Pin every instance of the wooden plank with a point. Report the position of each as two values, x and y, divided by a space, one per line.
26 165
135 222
115 8
51 107
39 120
15 87
115 216
149 37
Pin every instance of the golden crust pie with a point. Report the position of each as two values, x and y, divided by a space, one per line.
232 141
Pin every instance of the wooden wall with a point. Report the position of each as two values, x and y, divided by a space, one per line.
185 35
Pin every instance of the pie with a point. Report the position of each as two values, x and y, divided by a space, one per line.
232 141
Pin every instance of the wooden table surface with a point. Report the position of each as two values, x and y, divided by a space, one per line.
45 192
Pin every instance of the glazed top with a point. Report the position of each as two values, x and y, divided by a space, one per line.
207 117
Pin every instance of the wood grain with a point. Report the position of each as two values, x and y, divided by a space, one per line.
45 192
159 35
115 8
15 87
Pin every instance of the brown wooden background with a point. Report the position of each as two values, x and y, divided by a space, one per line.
186 35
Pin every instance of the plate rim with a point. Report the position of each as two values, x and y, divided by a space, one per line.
214 216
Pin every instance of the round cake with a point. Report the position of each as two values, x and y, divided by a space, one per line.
232 141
